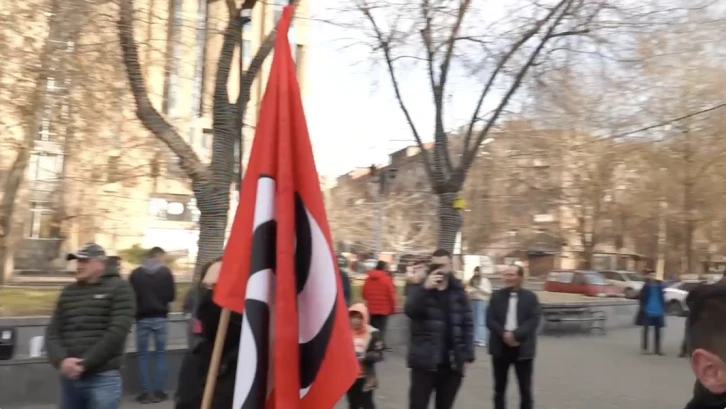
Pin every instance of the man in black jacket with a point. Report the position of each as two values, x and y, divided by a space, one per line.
705 333
513 318
442 340
154 285
87 333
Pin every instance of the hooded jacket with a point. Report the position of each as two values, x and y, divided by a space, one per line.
379 293
368 346
91 322
154 286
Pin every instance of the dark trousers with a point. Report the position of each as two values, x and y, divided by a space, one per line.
651 322
379 322
522 367
445 383
359 399
684 346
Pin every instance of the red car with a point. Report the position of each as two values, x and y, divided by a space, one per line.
590 283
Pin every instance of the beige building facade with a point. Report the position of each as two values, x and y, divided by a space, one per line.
94 172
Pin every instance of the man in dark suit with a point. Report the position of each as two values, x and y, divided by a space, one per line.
513 318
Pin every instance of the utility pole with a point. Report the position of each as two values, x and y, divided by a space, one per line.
662 231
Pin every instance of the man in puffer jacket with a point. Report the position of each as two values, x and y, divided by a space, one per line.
379 294
87 333
442 339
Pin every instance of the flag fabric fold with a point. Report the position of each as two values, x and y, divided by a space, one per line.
278 268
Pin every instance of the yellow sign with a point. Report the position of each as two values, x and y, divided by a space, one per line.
459 203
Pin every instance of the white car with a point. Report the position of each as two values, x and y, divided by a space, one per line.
629 281
675 297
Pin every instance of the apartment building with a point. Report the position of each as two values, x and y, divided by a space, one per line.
94 172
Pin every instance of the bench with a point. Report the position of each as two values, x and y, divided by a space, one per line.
588 318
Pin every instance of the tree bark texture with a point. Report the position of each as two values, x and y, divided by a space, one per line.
211 184
449 221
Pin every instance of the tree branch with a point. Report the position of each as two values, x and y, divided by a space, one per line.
437 180
224 120
441 140
147 114
561 9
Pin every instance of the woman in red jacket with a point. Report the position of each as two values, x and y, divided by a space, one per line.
379 294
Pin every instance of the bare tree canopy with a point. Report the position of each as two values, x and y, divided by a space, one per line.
486 54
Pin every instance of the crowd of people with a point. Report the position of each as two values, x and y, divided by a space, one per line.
449 319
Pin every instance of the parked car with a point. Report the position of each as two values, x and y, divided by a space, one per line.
590 283
629 281
675 297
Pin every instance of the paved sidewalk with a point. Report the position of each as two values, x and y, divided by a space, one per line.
571 372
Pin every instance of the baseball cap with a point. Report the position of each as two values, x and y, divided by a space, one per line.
88 250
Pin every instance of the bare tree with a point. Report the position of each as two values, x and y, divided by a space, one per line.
454 40
404 220
211 183
23 73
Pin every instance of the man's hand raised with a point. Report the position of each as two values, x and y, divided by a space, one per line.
433 280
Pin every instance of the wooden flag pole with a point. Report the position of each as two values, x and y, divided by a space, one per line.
211 383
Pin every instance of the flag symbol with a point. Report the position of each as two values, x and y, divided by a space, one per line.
279 270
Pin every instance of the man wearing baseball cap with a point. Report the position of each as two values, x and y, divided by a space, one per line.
86 337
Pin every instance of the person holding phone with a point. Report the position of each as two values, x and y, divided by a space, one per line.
442 341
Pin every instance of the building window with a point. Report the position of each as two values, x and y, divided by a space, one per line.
277 10
246 51
200 50
173 56
41 223
45 166
45 133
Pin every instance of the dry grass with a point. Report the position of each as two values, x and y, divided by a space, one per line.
28 301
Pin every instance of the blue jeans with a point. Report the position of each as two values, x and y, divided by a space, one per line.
479 313
147 328
99 391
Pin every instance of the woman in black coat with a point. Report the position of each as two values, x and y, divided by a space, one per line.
193 372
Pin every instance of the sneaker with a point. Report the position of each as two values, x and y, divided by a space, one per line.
145 398
160 396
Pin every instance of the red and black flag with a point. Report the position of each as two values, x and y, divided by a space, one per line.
279 269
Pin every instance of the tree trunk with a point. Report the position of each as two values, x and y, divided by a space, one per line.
212 225
7 207
587 255
449 221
